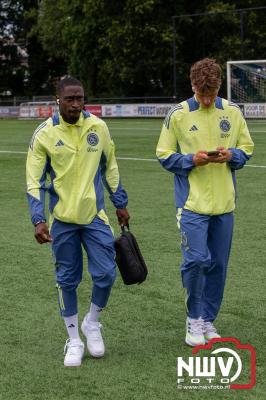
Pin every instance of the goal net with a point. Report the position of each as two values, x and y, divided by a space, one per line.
246 81
38 110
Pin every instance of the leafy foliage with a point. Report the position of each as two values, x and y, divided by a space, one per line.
125 48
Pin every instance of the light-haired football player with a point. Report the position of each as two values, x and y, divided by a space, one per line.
76 150
203 141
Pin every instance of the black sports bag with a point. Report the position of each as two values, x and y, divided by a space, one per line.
129 258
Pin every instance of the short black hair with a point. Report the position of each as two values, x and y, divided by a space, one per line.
67 81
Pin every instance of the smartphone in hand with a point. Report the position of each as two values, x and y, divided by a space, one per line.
213 153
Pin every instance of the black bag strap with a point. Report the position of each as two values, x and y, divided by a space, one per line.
123 228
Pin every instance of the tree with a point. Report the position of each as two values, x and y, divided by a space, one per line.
27 68
13 56
43 70
121 48
218 35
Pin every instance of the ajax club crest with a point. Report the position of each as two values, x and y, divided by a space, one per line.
225 125
92 139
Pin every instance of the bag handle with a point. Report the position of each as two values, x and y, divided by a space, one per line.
123 227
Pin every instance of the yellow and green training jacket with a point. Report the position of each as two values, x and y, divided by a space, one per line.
188 128
78 160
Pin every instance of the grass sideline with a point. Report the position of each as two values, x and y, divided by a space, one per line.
143 325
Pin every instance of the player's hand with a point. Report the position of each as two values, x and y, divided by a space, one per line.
42 234
122 216
224 156
200 158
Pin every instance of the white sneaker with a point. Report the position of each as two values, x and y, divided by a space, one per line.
73 350
194 335
92 331
210 331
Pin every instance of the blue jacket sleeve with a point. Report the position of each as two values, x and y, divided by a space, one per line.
168 155
244 147
178 163
36 171
239 158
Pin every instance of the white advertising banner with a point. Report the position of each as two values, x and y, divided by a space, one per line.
136 110
119 110
9 112
140 110
153 110
45 110
255 110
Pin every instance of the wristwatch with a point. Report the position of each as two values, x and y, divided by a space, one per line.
42 221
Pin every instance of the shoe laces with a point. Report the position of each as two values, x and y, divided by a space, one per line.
195 326
71 346
209 327
94 330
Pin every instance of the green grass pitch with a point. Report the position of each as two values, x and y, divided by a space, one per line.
143 325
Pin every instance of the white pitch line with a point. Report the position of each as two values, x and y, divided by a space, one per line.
136 159
13 152
255 166
123 158
133 129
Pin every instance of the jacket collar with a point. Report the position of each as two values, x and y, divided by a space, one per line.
79 122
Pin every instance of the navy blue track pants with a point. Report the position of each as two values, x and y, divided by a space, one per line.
205 243
98 241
